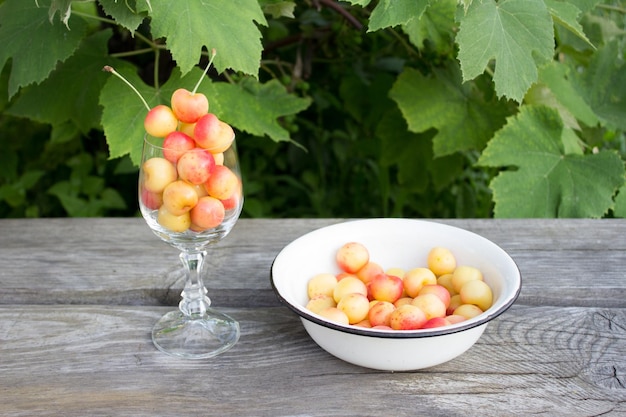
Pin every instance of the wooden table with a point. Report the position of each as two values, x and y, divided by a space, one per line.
78 298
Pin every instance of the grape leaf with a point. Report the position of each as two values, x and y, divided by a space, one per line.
584 5
463 118
78 81
540 94
595 95
63 132
359 2
123 113
559 79
389 13
518 34
466 4
548 182
123 12
436 25
278 8
64 8
620 203
603 85
249 106
254 107
366 100
27 37
4 87
412 153
226 26
567 15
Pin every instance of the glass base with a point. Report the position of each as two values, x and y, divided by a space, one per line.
195 337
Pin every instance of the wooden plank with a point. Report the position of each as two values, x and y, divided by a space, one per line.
119 261
99 361
558 351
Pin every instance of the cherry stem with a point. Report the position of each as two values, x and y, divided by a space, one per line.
213 53
118 75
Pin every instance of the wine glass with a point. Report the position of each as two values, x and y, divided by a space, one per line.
191 213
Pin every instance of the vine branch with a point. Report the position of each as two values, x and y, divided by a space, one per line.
343 12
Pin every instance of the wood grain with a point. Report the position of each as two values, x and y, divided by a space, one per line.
119 261
78 298
85 359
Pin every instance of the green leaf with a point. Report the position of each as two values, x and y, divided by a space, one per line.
123 113
9 164
620 203
278 8
64 7
362 3
14 193
604 85
254 107
518 34
543 180
567 15
63 133
593 95
571 142
540 94
584 5
34 44
224 25
249 106
91 185
436 25
389 13
466 4
4 87
410 152
112 199
30 178
124 13
560 79
77 81
463 118
74 205
600 29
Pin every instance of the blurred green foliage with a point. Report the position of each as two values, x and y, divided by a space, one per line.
351 153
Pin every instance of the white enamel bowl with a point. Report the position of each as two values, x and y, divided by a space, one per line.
401 243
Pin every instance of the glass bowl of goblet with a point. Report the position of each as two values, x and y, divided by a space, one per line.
191 198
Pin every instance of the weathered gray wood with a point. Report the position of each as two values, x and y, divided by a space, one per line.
96 360
78 298
119 261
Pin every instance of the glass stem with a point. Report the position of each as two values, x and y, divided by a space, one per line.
195 301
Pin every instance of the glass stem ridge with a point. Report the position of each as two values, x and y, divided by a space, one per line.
195 302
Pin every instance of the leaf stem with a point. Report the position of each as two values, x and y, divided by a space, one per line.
206 69
408 47
228 78
94 17
612 8
147 40
157 58
132 53
118 75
